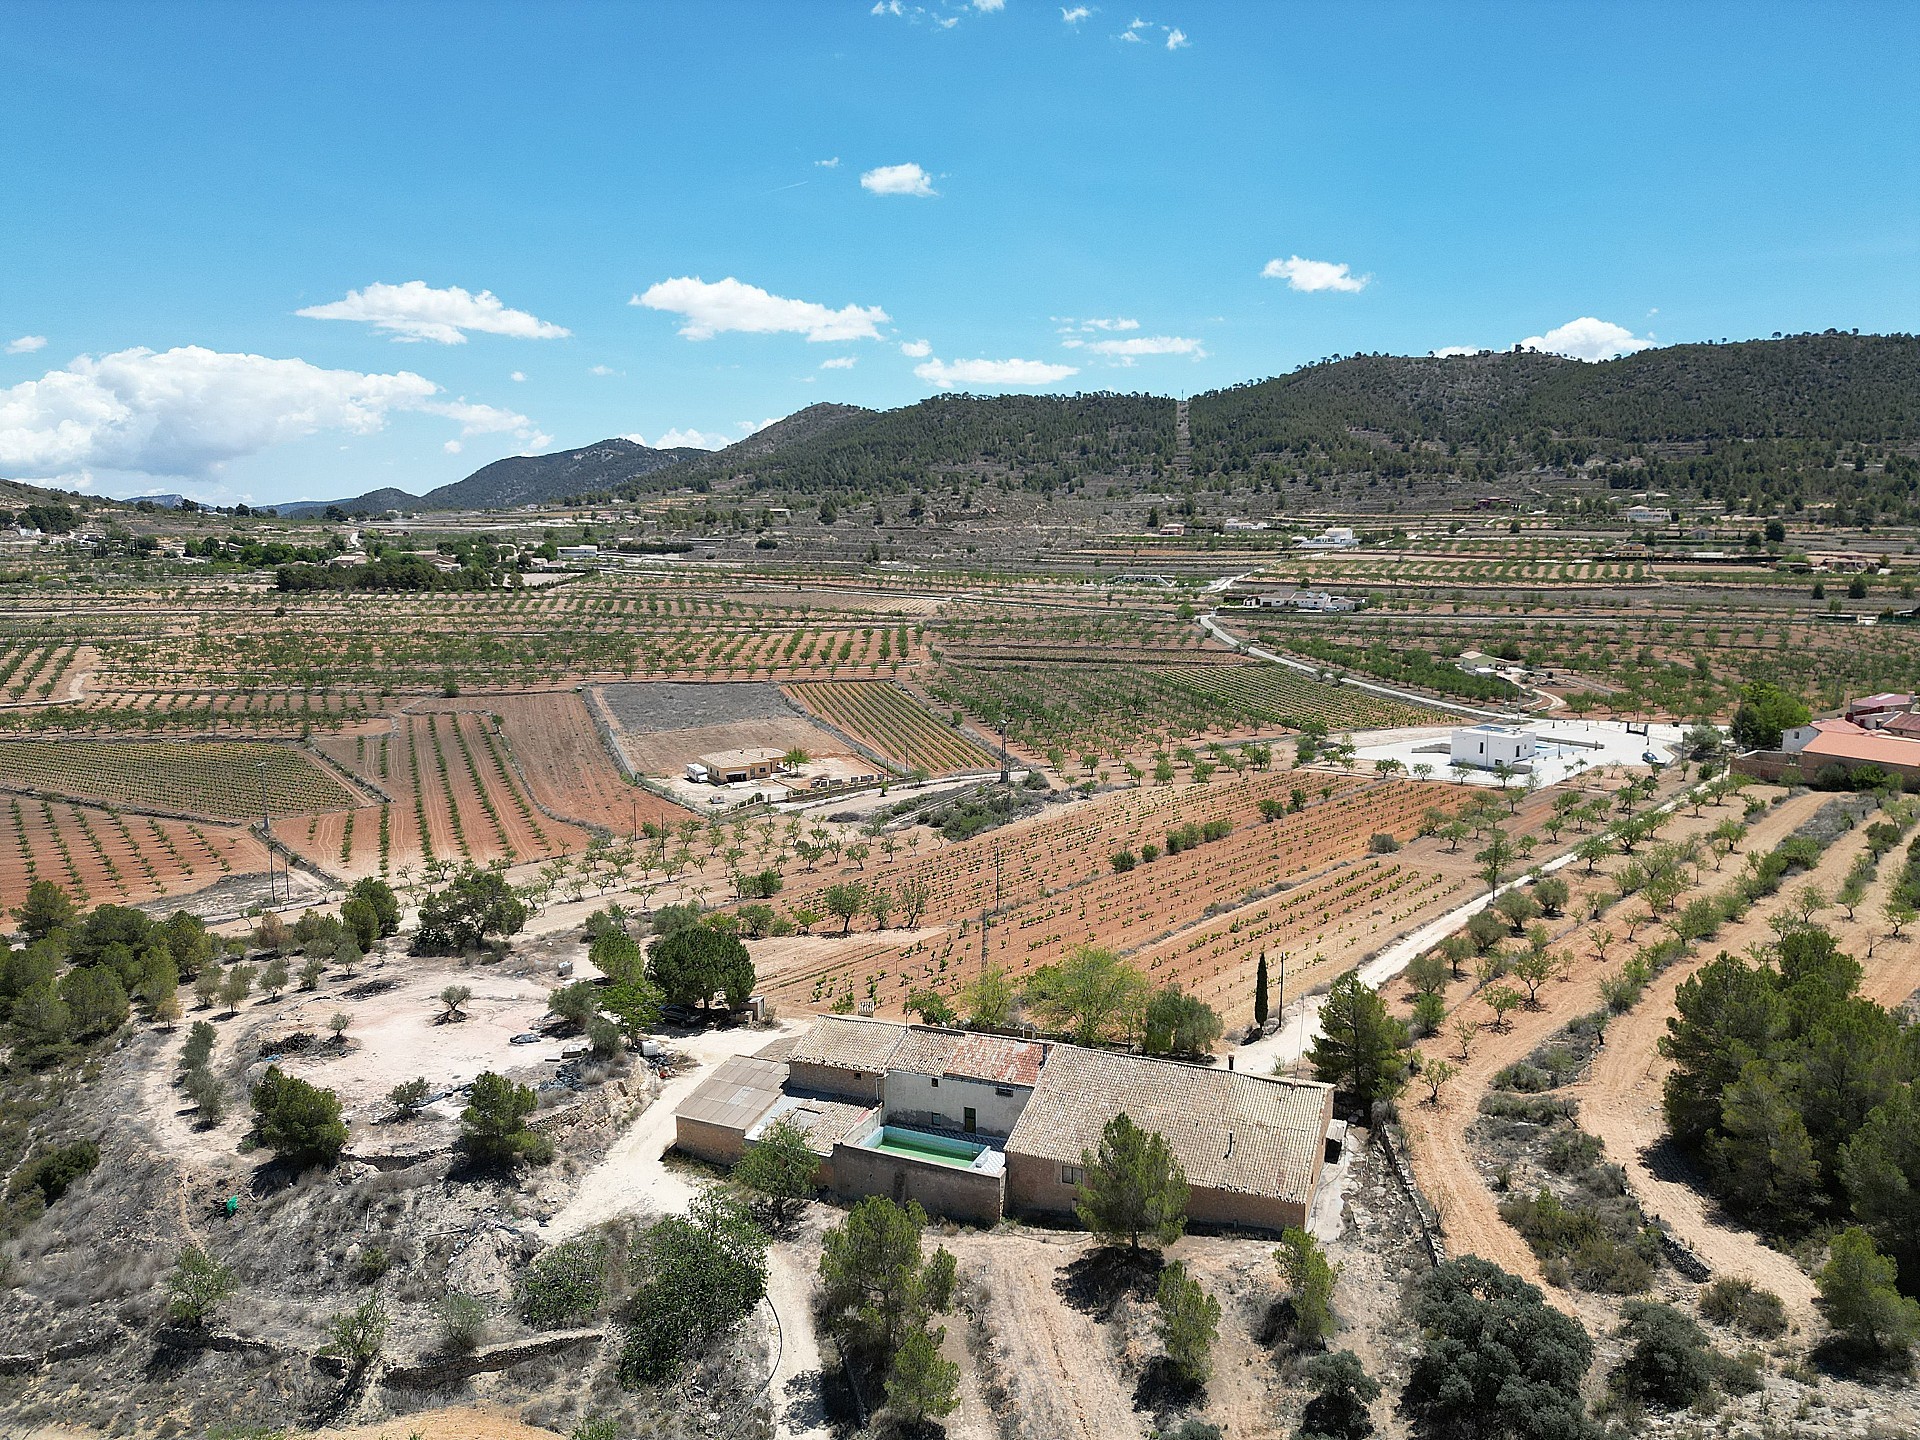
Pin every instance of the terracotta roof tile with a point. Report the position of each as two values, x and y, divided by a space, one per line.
849 1043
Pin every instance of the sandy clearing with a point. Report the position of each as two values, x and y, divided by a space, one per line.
631 1177
453 1423
666 752
794 1389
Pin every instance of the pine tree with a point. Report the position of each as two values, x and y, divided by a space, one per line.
1361 1048
1133 1186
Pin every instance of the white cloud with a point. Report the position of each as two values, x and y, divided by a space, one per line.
754 427
26 344
992 372
1176 39
839 362
1447 352
987 7
1068 324
917 349
733 305
453 447
1311 275
518 377
600 370
1127 351
907 179
187 411
1075 15
830 163
677 439
1588 339
417 311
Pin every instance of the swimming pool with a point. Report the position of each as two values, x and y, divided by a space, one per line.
919 1145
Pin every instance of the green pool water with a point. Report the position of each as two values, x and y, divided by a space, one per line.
918 1145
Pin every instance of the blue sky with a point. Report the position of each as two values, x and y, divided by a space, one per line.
1023 198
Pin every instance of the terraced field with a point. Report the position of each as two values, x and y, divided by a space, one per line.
233 779
1119 709
887 719
99 855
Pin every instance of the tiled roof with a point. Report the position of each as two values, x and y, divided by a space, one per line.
849 1043
737 1094
923 1051
1870 748
1231 1131
825 1122
995 1058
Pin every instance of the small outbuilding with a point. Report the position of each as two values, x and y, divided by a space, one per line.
1486 747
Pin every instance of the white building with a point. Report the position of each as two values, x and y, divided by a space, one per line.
1334 537
1648 515
577 552
1485 746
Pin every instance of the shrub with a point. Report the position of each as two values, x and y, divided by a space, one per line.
53 1171
360 1334
299 1122
463 1320
1667 1360
1382 843
564 1284
209 1096
196 1286
1596 1255
1739 1304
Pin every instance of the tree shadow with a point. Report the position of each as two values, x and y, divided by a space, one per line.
1162 1390
1098 1281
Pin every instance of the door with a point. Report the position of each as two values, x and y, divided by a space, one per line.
969 1120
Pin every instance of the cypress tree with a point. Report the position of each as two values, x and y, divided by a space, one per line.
1260 991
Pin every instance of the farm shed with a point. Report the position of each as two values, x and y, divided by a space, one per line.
713 1121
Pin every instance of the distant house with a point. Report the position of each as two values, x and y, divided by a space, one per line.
1852 749
976 1126
1483 747
577 552
731 767
1870 712
1334 537
1800 736
1648 515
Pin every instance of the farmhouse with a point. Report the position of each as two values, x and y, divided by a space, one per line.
1334 537
1485 747
1870 712
731 767
1648 515
978 1126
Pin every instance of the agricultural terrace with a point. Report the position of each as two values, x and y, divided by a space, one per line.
1126 710
1308 877
324 641
455 797
551 744
887 719
99 855
31 673
1650 662
233 779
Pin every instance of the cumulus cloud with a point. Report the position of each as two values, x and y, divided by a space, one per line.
731 304
1128 350
677 439
987 7
1447 352
1176 39
518 377
832 162
992 372
1068 324
26 344
839 362
189 410
754 427
453 447
917 349
416 311
1075 15
1139 31
1311 275
1588 339
907 179
600 370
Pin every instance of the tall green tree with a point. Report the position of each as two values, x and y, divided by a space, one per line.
696 1276
1361 1048
781 1166
1132 1186
1859 1300
46 909
691 967
1179 1024
1309 1277
1189 1323
476 906
299 1122
1880 1169
1764 713
1093 995
493 1127
878 1286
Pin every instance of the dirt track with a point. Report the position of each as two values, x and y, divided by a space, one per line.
1620 1098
